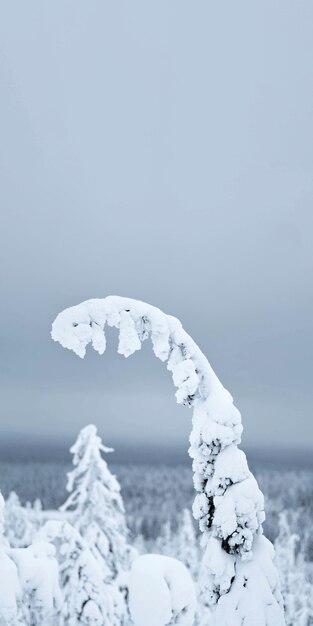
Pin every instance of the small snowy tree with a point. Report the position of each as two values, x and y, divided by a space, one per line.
295 577
20 523
238 580
164 542
185 543
180 544
140 545
10 589
95 504
96 510
86 599
29 588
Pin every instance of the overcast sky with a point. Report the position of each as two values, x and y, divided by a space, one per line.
162 151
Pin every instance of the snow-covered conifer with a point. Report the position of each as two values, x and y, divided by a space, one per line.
96 510
295 576
10 589
181 543
237 568
86 599
29 589
164 542
186 548
20 523
140 545
95 504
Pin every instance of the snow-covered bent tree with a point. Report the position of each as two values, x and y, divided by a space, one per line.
238 580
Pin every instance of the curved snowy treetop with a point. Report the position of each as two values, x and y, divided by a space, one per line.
229 505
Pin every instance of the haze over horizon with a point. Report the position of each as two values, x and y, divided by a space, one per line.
148 153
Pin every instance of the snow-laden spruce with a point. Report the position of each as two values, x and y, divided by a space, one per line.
86 599
29 587
10 589
20 522
96 510
95 504
238 577
295 574
181 544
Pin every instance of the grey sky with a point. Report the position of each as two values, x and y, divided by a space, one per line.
162 151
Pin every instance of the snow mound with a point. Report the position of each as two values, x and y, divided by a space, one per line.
161 592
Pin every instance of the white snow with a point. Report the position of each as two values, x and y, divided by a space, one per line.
39 575
29 582
161 592
10 589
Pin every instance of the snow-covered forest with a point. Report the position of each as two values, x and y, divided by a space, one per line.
157 520
88 563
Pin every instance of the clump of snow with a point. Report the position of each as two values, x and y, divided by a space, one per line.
129 341
229 506
39 578
161 592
